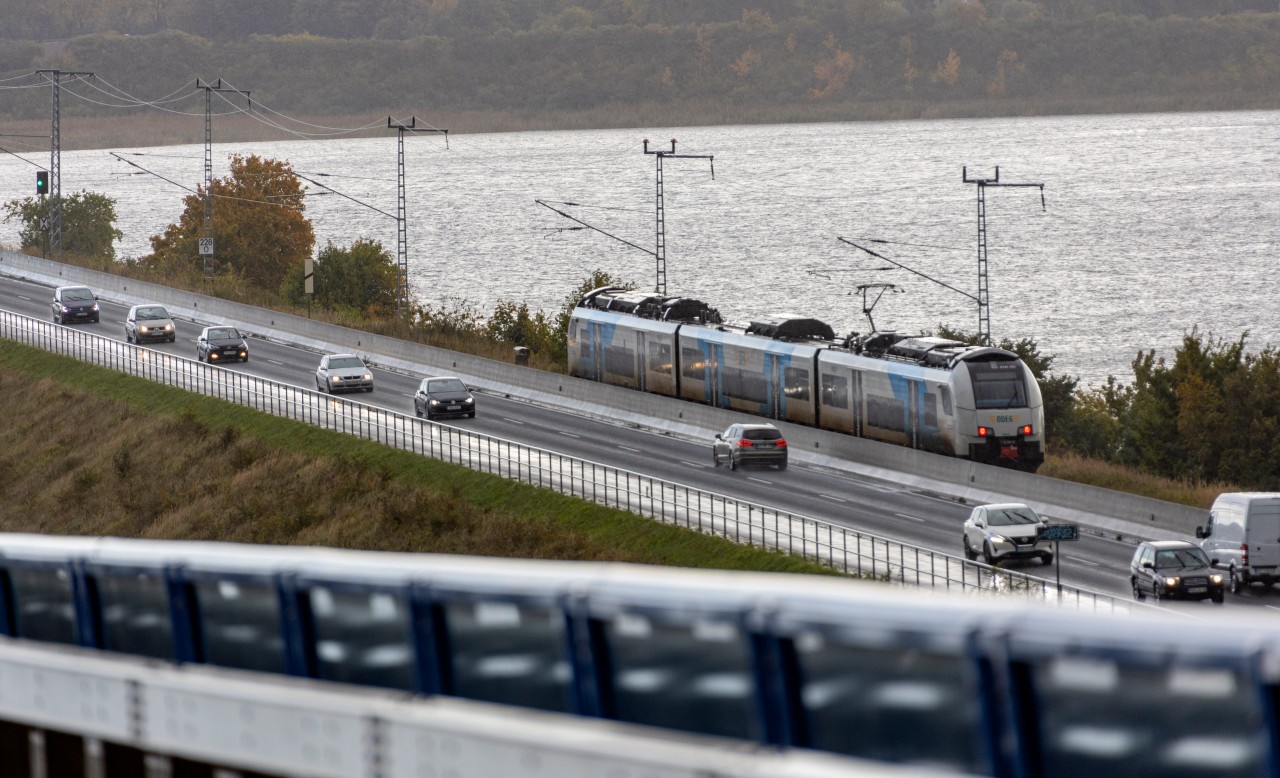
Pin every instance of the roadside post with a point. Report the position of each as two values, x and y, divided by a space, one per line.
1058 533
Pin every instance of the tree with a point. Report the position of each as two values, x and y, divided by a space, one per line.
88 224
259 231
362 279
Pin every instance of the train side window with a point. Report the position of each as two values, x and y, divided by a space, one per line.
509 653
886 413
835 391
620 361
660 358
745 385
362 637
240 624
135 613
44 606
1107 717
873 701
796 383
930 409
573 330
693 677
944 392
692 364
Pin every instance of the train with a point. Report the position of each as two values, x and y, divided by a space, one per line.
979 686
928 393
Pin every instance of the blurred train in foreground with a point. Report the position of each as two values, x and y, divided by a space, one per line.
973 685
932 394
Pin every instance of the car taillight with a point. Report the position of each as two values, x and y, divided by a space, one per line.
1026 429
779 442
744 443
984 431
1244 554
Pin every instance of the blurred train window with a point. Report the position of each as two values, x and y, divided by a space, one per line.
998 384
1101 717
878 701
693 677
745 385
509 653
660 358
240 624
886 413
135 613
930 409
45 608
362 637
796 382
692 363
945 393
835 391
620 361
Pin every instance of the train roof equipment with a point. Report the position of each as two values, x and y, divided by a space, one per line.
650 305
790 326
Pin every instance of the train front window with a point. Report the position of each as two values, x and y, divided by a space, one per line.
998 384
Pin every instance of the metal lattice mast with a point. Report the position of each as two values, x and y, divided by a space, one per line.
55 159
984 301
207 243
660 221
402 231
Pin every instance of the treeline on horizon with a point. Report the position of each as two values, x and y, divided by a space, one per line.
338 57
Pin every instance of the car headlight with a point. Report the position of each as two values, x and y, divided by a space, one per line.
168 327
213 355
1171 582
997 538
469 400
434 401
1216 578
65 309
142 328
368 377
333 378
95 307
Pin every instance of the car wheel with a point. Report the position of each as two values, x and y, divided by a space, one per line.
1047 559
987 555
1218 599
56 319
417 411
173 338
1137 591
782 465
127 337
1238 583
319 386
733 463
1155 593
968 549
471 415
370 390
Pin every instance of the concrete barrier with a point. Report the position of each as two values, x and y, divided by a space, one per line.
1105 511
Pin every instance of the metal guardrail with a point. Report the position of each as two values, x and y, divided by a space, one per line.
848 551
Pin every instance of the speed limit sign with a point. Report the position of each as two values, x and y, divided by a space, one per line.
206 247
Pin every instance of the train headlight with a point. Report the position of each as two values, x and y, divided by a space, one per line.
984 432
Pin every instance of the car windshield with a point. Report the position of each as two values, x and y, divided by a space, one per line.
761 433
345 362
446 385
224 333
1003 517
153 312
1175 558
76 295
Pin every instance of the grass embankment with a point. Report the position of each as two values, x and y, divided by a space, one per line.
87 451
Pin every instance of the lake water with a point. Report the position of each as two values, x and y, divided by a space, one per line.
1153 223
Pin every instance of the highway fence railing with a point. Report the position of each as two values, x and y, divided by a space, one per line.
848 551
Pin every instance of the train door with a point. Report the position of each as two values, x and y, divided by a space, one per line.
597 354
913 412
773 383
641 350
859 402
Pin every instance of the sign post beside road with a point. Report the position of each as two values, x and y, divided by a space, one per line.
1058 533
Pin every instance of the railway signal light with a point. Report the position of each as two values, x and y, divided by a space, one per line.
42 182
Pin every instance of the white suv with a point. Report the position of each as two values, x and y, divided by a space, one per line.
1005 531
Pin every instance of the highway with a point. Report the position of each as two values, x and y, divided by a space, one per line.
842 498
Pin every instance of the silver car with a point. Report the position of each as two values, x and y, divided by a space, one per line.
149 322
343 373
1005 531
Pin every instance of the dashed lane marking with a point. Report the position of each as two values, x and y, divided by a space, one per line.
912 518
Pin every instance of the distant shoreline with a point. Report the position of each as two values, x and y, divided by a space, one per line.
150 130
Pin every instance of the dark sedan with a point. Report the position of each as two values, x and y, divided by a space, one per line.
444 396
221 344
75 303
1174 570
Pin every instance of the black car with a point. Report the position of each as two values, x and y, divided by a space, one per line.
75 303
443 396
221 344
1174 570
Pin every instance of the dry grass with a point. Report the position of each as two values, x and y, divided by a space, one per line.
87 451
1071 467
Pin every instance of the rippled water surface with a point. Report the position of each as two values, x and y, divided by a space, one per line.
1153 224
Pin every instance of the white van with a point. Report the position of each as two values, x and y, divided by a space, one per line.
1243 536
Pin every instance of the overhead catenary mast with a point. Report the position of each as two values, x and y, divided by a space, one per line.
984 300
402 231
660 225
55 158
206 243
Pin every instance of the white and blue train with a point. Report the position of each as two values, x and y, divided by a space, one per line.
747 660
932 394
